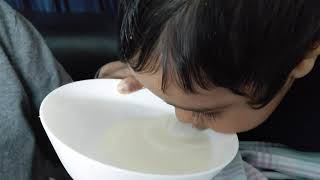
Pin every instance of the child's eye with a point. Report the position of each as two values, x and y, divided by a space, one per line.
210 115
202 119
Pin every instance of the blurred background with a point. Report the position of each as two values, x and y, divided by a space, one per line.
65 6
82 34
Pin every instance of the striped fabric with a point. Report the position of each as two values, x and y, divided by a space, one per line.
262 161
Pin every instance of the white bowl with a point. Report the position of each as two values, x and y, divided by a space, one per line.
76 116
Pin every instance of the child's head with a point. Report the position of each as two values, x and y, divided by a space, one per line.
224 64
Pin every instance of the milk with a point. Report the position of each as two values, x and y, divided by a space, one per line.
151 146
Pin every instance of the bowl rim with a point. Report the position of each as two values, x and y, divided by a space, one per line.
127 171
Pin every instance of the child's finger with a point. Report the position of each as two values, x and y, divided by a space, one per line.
129 85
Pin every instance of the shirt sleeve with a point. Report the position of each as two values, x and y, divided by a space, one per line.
31 57
28 72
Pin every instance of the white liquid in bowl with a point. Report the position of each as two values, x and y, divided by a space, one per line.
149 146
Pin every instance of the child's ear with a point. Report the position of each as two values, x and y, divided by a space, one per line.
307 64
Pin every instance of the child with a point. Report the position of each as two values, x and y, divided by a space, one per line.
247 67
235 66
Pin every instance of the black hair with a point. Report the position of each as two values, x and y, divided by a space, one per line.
233 44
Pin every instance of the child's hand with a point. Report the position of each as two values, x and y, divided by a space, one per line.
118 70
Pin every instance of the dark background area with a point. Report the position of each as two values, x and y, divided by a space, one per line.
65 6
82 34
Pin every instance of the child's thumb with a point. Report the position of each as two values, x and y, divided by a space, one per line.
129 85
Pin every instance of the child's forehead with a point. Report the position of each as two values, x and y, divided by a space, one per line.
201 101
153 81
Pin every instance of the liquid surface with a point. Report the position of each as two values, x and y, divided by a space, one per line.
150 146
